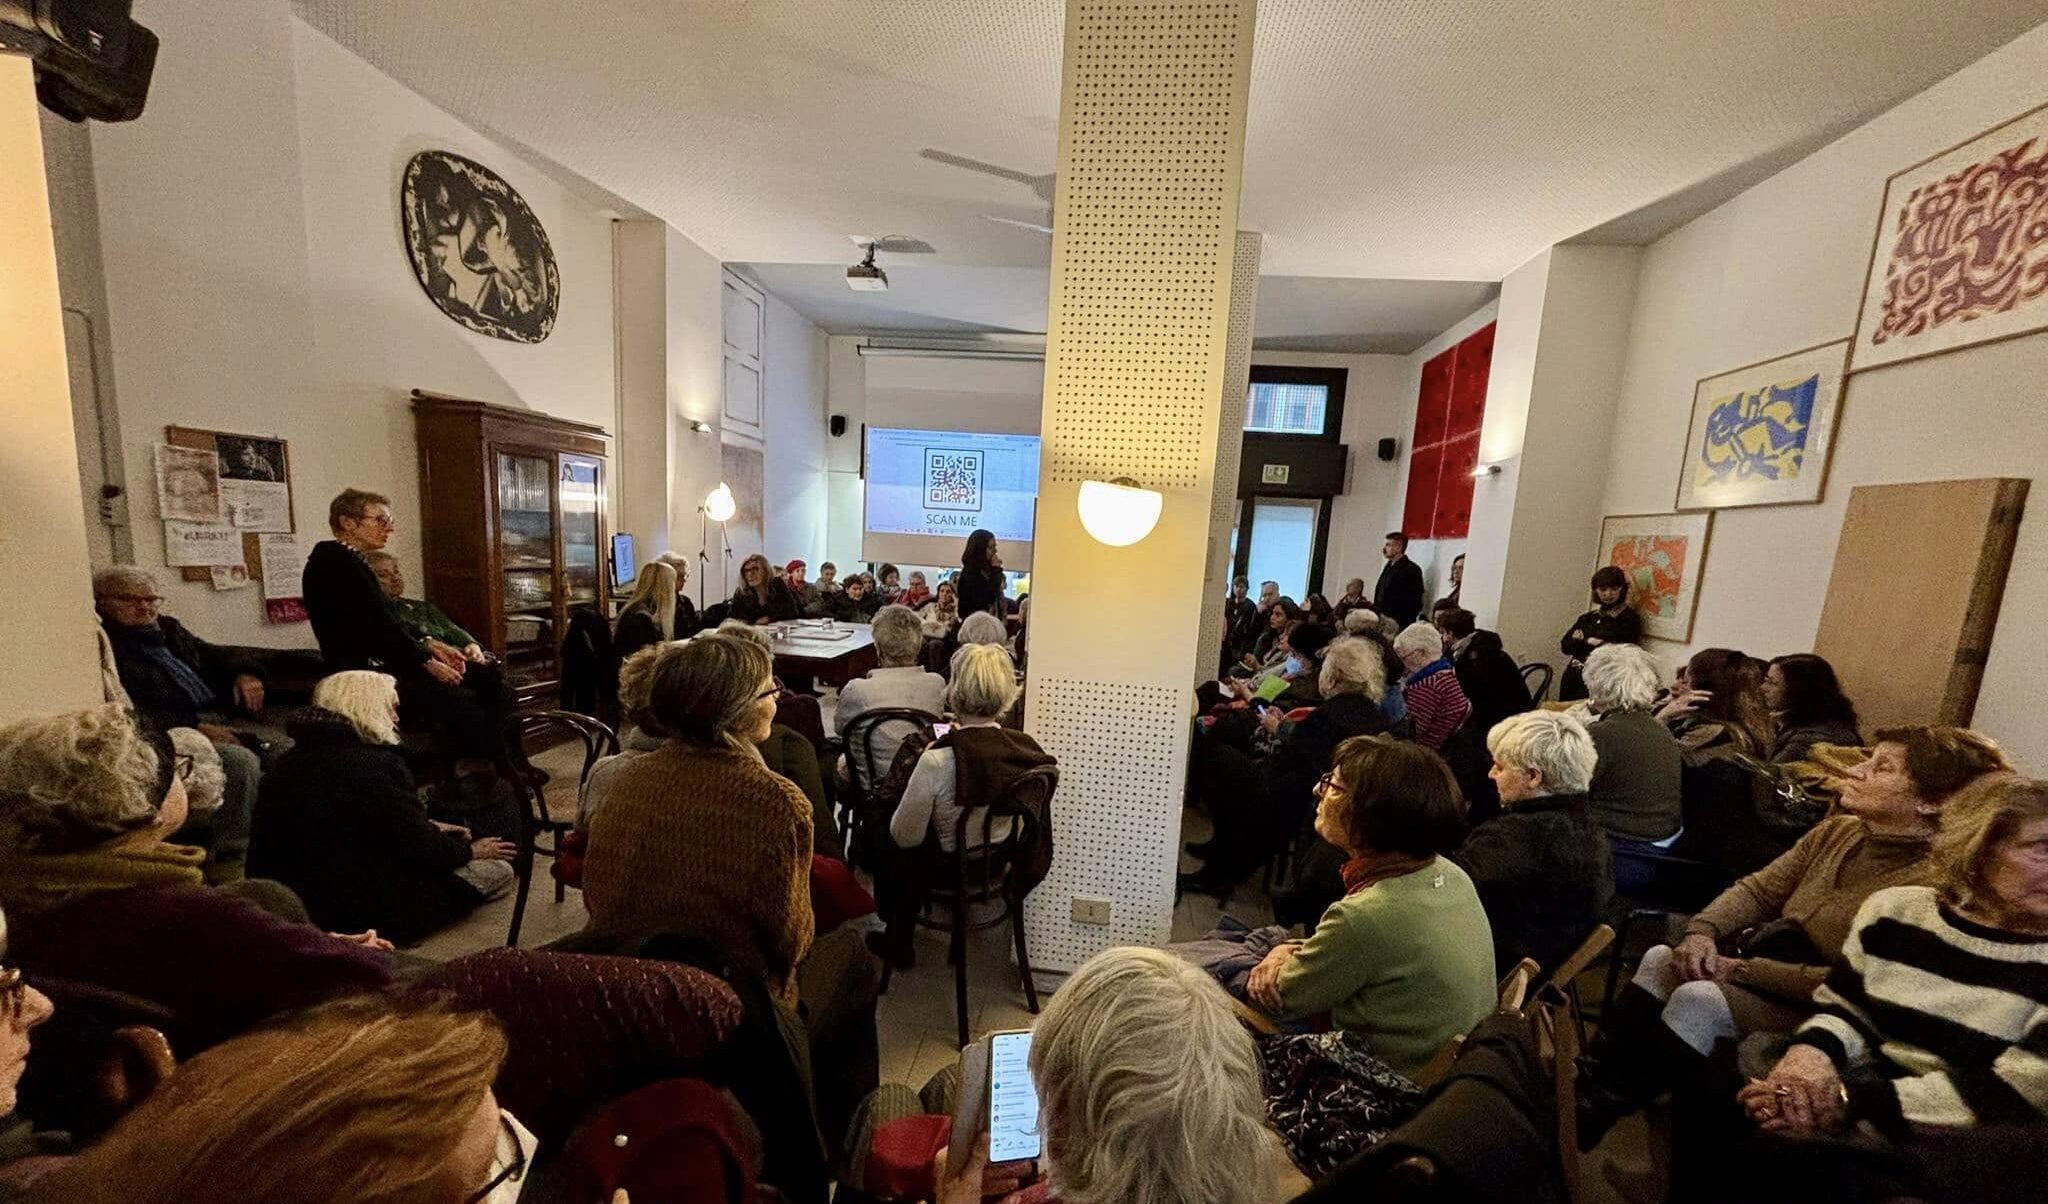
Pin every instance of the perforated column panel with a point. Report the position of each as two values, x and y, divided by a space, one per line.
1237 375
1151 138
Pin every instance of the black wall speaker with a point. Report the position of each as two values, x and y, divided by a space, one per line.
838 425
1386 449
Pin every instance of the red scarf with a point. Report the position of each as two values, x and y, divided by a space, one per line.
1367 868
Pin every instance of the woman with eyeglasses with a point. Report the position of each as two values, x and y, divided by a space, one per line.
361 1102
1405 959
97 894
22 1007
698 839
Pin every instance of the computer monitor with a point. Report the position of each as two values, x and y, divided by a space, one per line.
625 566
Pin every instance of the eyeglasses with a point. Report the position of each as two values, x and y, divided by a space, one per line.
13 994
377 520
770 692
511 1172
138 599
1327 784
182 764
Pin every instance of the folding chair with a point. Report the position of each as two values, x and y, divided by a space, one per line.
544 810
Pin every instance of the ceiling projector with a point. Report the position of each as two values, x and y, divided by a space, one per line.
865 277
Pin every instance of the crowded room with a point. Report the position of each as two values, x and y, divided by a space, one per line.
1051 602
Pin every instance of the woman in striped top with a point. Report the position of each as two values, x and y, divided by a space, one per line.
1937 1018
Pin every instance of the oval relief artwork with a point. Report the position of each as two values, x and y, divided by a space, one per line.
478 251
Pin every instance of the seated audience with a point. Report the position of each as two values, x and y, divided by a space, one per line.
1351 599
22 1008
340 822
1256 806
698 839
1149 1091
942 613
1635 790
809 599
1733 817
688 621
1435 703
1457 575
917 594
1925 1058
981 627
1807 707
828 577
980 580
1750 961
1610 621
888 584
855 602
175 679
1276 619
1489 676
789 752
356 631
1317 610
96 895
639 731
1541 868
1405 960
977 760
898 680
650 613
421 619
353 1102
763 597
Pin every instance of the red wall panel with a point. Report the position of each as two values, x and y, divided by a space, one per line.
1468 384
1418 515
1453 514
1449 409
1432 407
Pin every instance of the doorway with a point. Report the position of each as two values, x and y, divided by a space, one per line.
1280 539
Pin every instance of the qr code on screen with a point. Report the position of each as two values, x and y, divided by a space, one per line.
952 479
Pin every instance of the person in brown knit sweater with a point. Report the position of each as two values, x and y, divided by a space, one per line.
1782 927
698 838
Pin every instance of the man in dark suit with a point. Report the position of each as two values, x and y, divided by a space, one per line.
1399 592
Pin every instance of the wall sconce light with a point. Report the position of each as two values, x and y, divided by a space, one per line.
700 426
719 505
1119 512
1487 470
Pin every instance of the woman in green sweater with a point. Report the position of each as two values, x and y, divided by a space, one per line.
1405 959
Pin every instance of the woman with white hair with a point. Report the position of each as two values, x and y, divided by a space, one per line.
340 822
1257 807
897 681
1542 867
653 613
1148 1091
96 894
1635 788
977 759
983 627
1436 703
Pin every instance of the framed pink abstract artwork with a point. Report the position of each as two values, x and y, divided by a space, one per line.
1961 253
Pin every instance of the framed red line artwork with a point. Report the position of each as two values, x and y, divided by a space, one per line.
1961 251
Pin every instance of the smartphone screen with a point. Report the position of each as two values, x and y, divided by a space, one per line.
940 729
1012 1099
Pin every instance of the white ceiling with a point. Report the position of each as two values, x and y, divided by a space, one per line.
1295 313
1424 139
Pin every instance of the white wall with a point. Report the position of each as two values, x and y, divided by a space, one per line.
641 452
695 370
256 280
793 436
1782 267
50 660
846 397
1372 406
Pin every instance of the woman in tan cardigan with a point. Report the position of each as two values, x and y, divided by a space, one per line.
698 839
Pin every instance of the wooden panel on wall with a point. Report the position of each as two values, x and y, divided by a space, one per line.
1913 599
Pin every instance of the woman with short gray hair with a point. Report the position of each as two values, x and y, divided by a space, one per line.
1149 1091
1541 867
983 627
897 682
1634 793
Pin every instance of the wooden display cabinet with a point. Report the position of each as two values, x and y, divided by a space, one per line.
514 530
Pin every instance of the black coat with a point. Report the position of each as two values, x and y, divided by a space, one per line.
1491 679
847 609
780 605
636 630
1542 869
338 821
350 620
1399 592
1597 624
156 694
980 589
1304 755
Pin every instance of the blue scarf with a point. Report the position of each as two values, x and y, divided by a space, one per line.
149 642
1439 665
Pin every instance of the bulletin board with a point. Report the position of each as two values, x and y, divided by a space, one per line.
252 467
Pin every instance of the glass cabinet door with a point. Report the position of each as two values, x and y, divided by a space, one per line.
526 556
582 483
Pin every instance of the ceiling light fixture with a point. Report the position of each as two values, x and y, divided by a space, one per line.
865 277
1119 512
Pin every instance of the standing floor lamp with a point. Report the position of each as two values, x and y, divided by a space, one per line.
719 508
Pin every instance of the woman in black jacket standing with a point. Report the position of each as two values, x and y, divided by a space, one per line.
980 584
338 821
1611 621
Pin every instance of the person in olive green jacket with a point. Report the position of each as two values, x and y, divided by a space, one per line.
421 619
1405 959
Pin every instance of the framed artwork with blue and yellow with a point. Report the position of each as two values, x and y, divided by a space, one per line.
1760 435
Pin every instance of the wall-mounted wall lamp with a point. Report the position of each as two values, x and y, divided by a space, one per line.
1487 470
700 426
1119 512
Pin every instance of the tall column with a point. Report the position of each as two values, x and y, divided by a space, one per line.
1152 114
1237 376
50 661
